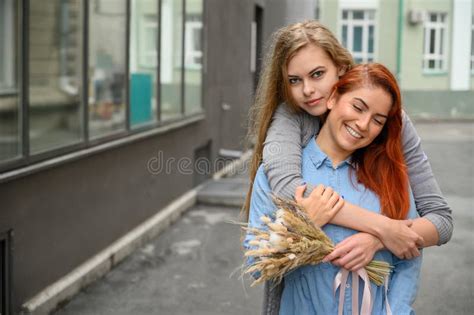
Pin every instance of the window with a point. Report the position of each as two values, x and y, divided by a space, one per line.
472 45
193 57
69 102
193 41
434 55
357 33
9 99
171 63
107 64
55 103
150 38
143 62
7 48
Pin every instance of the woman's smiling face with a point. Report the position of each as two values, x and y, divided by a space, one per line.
356 119
311 76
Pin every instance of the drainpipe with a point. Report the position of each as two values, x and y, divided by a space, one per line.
399 39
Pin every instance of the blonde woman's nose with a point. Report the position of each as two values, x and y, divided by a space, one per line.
308 89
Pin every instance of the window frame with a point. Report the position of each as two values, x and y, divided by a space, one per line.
191 53
472 45
440 55
366 22
65 78
8 81
144 27
27 163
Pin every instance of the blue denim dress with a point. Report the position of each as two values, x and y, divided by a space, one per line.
309 289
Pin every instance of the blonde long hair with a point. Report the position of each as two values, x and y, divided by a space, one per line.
273 87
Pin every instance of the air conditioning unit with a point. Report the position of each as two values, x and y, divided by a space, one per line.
416 16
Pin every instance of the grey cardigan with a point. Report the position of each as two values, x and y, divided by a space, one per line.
289 132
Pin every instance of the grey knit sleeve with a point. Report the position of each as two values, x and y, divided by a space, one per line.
289 132
429 201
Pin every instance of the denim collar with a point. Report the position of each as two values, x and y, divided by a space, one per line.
318 157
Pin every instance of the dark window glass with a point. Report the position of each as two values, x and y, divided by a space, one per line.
171 63
432 41
371 39
10 135
358 15
441 41
143 62
107 63
357 44
344 35
55 54
344 14
193 57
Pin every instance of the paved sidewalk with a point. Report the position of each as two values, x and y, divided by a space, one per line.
188 268
192 268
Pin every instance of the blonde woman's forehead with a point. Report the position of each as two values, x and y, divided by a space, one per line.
310 57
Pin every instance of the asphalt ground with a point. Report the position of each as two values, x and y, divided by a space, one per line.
193 267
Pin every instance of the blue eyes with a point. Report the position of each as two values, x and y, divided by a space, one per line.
314 75
317 74
293 81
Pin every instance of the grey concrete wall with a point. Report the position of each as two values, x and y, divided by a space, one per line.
229 79
439 104
64 215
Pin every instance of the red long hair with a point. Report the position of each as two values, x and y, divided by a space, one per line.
381 165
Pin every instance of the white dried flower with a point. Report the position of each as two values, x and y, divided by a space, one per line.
280 213
264 244
277 241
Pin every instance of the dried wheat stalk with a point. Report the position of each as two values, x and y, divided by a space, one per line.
293 240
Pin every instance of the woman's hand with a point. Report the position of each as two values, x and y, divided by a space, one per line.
355 252
322 204
400 239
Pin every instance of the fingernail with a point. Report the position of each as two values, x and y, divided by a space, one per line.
342 196
303 183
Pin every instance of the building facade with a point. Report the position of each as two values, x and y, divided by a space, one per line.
95 95
428 44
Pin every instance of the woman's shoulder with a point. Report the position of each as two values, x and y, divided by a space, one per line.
408 130
261 179
286 118
287 111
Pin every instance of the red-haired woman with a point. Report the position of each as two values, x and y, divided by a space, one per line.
358 153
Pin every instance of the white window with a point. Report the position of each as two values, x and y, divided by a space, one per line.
434 50
148 38
7 46
193 42
472 45
69 33
358 34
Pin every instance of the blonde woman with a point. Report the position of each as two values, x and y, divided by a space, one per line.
303 63
358 152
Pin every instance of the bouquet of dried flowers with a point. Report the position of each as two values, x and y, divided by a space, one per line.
293 240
